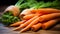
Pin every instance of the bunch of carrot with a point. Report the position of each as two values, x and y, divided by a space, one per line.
37 18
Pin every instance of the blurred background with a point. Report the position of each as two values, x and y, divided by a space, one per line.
5 3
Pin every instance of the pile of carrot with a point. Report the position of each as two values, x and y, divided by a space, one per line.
37 18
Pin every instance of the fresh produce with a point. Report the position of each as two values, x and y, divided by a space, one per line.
31 24
46 11
26 23
36 27
15 10
26 14
47 17
18 23
41 11
21 4
10 14
50 23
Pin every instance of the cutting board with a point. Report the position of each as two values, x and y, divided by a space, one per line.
8 30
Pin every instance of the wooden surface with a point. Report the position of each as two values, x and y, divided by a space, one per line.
8 30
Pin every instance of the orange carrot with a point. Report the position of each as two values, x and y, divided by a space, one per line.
47 17
46 10
36 27
15 10
26 12
26 23
17 23
50 23
31 24
28 16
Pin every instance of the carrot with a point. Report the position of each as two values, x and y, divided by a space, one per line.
26 23
50 23
36 27
26 12
15 10
31 24
47 17
17 23
28 16
47 10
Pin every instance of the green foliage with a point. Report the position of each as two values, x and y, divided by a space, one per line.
8 18
54 4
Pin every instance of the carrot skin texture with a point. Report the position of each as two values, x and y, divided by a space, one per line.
28 16
49 17
48 24
18 23
29 21
47 10
36 27
30 25
26 23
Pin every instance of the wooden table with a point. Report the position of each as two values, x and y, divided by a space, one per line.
8 30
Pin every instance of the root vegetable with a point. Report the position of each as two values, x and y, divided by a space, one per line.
26 12
47 17
26 23
18 23
50 23
31 24
46 10
15 10
28 16
36 27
